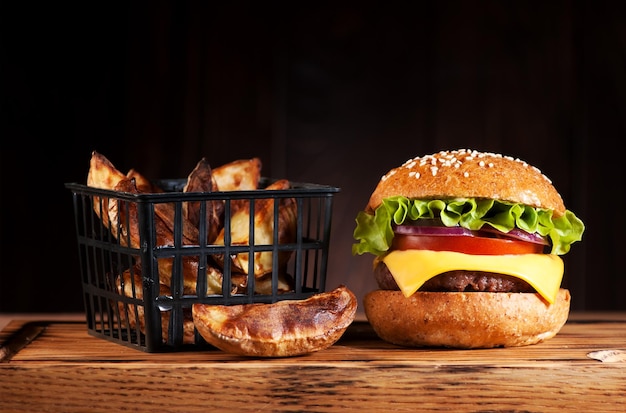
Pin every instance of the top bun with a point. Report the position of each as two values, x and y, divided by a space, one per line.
469 174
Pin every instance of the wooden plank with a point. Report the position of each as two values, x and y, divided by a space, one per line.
69 340
360 370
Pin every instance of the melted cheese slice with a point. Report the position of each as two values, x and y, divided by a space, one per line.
412 268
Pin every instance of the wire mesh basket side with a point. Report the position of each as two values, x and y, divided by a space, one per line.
139 290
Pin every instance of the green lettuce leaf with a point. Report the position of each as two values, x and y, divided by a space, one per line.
374 233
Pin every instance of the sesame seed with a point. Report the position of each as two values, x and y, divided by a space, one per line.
466 174
388 175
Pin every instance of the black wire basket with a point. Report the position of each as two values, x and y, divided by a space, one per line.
143 266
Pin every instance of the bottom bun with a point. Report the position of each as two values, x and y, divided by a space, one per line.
465 320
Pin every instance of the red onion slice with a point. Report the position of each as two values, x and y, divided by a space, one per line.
486 231
519 234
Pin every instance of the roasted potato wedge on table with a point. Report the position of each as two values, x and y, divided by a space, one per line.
282 329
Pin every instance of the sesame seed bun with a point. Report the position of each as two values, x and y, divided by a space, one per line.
469 174
465 320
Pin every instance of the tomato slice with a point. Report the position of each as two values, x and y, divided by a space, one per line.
465 244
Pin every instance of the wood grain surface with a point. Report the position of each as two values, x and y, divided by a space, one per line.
57 366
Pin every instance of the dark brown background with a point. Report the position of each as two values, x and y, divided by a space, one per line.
328 94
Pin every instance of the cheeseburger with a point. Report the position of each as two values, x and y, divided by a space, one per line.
467 250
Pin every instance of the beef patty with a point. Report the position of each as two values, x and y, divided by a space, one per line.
459 281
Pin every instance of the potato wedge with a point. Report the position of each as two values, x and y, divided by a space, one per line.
285 283
263 231
103 175
214 276
282 329
201 180
240 175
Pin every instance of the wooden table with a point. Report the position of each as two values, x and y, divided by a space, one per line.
54 365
